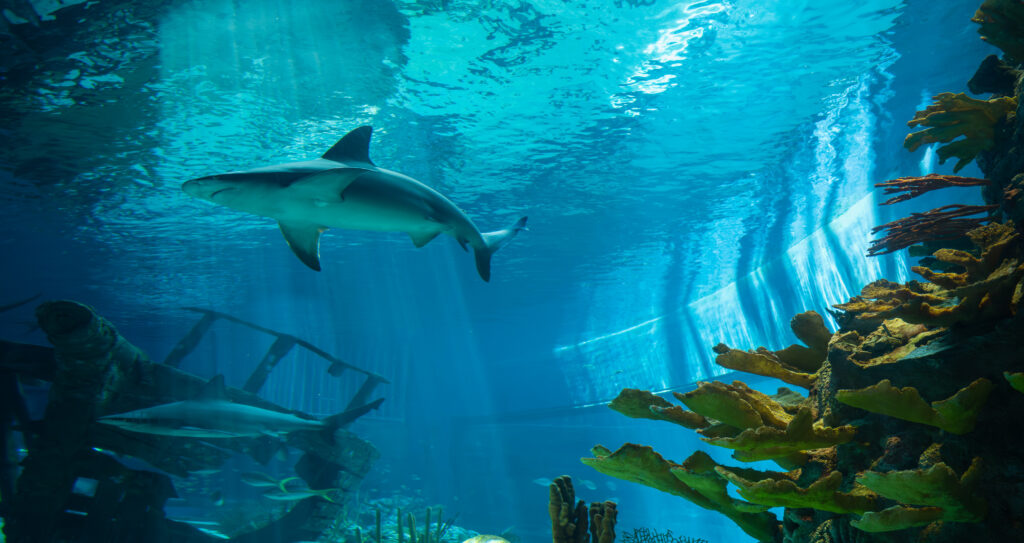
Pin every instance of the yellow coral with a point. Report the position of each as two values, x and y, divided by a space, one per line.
795 364
955 414
897 517
937 486
955 115
641 404
640 464
1016 380
736 405
1001 23
766 443
823 494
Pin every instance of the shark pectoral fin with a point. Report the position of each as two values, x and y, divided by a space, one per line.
304 239
419 239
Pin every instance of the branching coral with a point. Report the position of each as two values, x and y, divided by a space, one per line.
943 223
795 364
912 187
986 290
937 486
955 115
640 464
823 494
1001 23
897 517
800 434
1016 380
641 404
568 517
735 405
955 414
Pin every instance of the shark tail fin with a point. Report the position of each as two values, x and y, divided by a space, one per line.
335 422
494 241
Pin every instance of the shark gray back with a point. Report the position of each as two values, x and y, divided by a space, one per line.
345 189
211 415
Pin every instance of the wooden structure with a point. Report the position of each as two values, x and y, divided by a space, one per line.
71 489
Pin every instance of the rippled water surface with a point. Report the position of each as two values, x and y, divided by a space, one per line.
694 172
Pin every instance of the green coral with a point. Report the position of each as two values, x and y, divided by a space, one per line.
1001 23
955 115
955 414
641 464
937 486
766 443
897 517
1016 380
823 494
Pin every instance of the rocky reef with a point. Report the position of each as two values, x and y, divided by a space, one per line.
910 427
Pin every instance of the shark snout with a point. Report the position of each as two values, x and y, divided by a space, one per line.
206 188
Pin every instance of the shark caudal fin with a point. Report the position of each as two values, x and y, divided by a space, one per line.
494 241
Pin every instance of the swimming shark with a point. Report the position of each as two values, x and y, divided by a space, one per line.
345 189
212 415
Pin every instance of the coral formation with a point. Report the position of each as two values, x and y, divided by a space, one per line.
640 464
937 486
822 494
570 518
955 414
954 115
912 187
1001 22
868 459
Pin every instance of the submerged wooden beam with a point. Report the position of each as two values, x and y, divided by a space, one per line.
92 363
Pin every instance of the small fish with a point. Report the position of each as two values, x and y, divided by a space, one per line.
217 498
542 481
611 485
259 480
486 539
300 494
205 472
588 484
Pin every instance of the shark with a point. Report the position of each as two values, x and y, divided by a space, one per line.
211 415
345 189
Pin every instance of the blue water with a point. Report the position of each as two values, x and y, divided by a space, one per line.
694 173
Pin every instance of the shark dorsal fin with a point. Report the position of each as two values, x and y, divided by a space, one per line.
213 390
354 147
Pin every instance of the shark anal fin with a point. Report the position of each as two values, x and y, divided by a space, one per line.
353 147
419 239
304 239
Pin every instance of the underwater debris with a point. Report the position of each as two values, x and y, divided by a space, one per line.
944 223
1001 23
94 370
936 486
955 414
955 115
912 187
